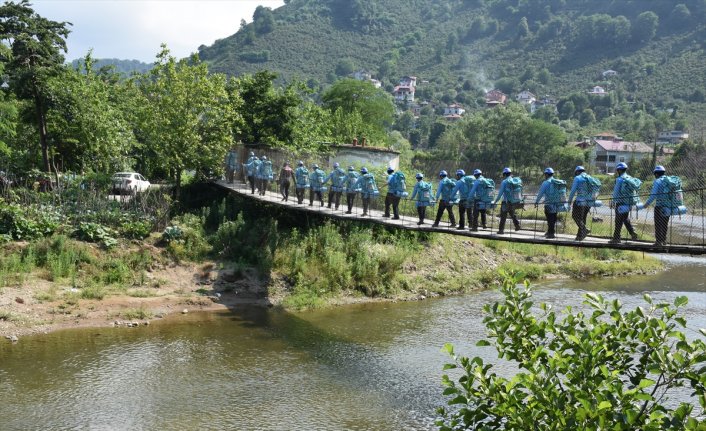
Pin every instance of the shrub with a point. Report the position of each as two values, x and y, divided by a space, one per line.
95 232
605 368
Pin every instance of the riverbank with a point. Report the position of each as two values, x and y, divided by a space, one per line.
43 300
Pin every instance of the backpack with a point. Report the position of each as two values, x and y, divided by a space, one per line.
302 177
341 176
593 185
369 185
424 192
628 190
267 169
676 194
515 186
486 190
397 185
557 192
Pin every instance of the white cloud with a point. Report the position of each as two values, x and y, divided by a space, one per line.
134 29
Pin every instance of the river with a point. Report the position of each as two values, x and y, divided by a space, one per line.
363 367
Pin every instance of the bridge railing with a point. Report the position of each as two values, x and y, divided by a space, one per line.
687 229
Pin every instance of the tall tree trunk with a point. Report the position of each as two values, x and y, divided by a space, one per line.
42 129
177 186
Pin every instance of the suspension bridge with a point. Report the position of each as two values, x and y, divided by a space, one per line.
687 233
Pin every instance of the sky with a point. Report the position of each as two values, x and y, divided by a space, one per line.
135 29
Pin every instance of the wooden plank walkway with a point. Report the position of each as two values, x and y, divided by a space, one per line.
410 223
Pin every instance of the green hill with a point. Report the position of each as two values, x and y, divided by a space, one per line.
465 47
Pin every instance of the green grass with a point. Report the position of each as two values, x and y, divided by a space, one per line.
136 314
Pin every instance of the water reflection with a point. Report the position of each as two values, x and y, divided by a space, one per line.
373 366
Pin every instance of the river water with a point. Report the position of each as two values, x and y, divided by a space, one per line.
364 367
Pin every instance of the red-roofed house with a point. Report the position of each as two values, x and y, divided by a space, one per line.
404 92
494 98
608 153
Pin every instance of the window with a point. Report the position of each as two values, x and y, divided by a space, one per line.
611 158
622 159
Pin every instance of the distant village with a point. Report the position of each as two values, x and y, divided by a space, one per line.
605 149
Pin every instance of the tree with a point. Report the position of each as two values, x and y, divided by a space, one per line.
268 113
645 28
90 128
605 368
523 30
373 104
188 118
36 44
263 20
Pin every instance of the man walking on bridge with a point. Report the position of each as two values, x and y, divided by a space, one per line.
624 198
301 181
586 189
317 185
554 193
464 184
446 192
285 178
351 181
669 200
395 191
338 179
367 187
482 196
511 194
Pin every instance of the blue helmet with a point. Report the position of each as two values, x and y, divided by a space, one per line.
461 173
419 176
390 170
252 153
579 169
264 157
549 171
507 171
622 166
659 168
351 168
363 170
315 166
336 165
300 163
477 172
443 174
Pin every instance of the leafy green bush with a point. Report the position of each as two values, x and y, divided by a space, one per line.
22 223
596 370
186 239
95 232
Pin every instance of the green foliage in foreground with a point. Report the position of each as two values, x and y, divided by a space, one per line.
595 369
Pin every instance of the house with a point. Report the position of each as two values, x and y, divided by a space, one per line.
607 136
376 83
584 144
417 108
404 92
454 109
526 98
540 103
608 153
672 137
494 98
362 75
410 81
598 91
609 73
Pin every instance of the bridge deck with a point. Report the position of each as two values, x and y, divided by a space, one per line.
529 236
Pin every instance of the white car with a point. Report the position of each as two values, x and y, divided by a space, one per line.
129 182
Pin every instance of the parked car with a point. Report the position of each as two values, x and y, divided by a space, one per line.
129 183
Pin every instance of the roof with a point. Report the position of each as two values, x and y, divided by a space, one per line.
623 146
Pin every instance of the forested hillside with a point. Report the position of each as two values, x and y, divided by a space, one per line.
466 47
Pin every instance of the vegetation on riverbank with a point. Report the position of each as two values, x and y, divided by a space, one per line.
220 245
